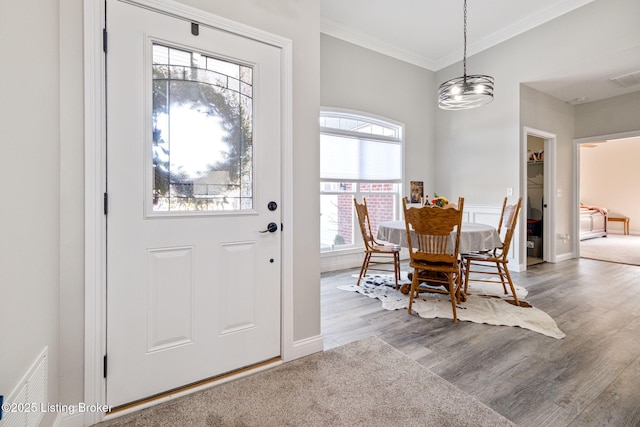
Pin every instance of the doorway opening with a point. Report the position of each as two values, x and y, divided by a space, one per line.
605 173
535 200
538 178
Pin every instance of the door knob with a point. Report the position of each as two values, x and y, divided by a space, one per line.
272 227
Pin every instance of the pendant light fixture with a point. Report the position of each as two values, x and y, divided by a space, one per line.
463 93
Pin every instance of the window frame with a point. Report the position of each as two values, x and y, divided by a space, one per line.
358 244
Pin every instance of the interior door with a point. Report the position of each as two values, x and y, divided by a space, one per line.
193 180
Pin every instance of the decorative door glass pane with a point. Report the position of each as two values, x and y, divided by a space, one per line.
202 132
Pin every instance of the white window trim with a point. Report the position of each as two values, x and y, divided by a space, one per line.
355 249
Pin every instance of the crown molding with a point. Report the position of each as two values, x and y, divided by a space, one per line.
435 64
333 29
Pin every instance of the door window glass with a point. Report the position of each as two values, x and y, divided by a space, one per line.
202 126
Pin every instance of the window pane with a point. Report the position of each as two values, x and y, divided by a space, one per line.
336 221
359 159
351 123
202 133
381 208
362 158
337 187
379 187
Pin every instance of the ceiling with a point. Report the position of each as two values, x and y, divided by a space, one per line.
409 30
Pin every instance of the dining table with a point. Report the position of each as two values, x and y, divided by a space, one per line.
474 236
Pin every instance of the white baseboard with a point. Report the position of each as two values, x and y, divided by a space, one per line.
306 347
338 261
67 420
565 257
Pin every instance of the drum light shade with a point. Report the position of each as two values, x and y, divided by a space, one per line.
463 93
466 92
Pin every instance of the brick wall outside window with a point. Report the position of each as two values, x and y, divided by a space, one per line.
380 205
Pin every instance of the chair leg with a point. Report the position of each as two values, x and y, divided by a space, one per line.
513 289
466 276
452 296
365 265
460 295
414 288
502 277
396 267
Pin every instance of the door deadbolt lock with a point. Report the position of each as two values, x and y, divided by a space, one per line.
272 227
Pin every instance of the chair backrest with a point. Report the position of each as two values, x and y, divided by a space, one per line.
429 230
504 205
508 220
365 224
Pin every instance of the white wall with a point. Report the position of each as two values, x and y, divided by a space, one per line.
610 177
30 206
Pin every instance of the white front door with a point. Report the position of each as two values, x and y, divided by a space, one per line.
193 181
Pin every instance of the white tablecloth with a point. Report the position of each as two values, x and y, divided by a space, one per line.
473 236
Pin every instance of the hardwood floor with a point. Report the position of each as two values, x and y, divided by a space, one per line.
589 378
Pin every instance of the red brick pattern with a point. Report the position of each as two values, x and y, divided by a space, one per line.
380 203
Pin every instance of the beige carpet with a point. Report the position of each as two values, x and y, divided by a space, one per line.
486 303
365 383
613 248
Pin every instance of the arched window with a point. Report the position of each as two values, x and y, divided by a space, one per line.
360 156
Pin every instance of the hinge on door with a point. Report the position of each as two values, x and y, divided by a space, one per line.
105 202
104 40
104 366
281 227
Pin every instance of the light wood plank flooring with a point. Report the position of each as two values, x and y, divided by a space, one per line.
589 378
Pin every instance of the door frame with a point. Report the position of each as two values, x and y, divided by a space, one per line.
95 181
548 213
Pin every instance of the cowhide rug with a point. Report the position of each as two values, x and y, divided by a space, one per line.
486 303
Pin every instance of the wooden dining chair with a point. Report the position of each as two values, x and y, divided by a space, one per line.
433 256
494 262
378 256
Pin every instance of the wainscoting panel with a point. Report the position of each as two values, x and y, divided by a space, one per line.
483 214
488 214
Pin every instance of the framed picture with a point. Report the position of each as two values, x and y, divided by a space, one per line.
417 191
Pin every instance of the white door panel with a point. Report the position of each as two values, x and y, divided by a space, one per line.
193 286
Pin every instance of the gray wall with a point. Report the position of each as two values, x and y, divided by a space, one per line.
483 145
30 206
360 79
610 116
543 112
72 203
